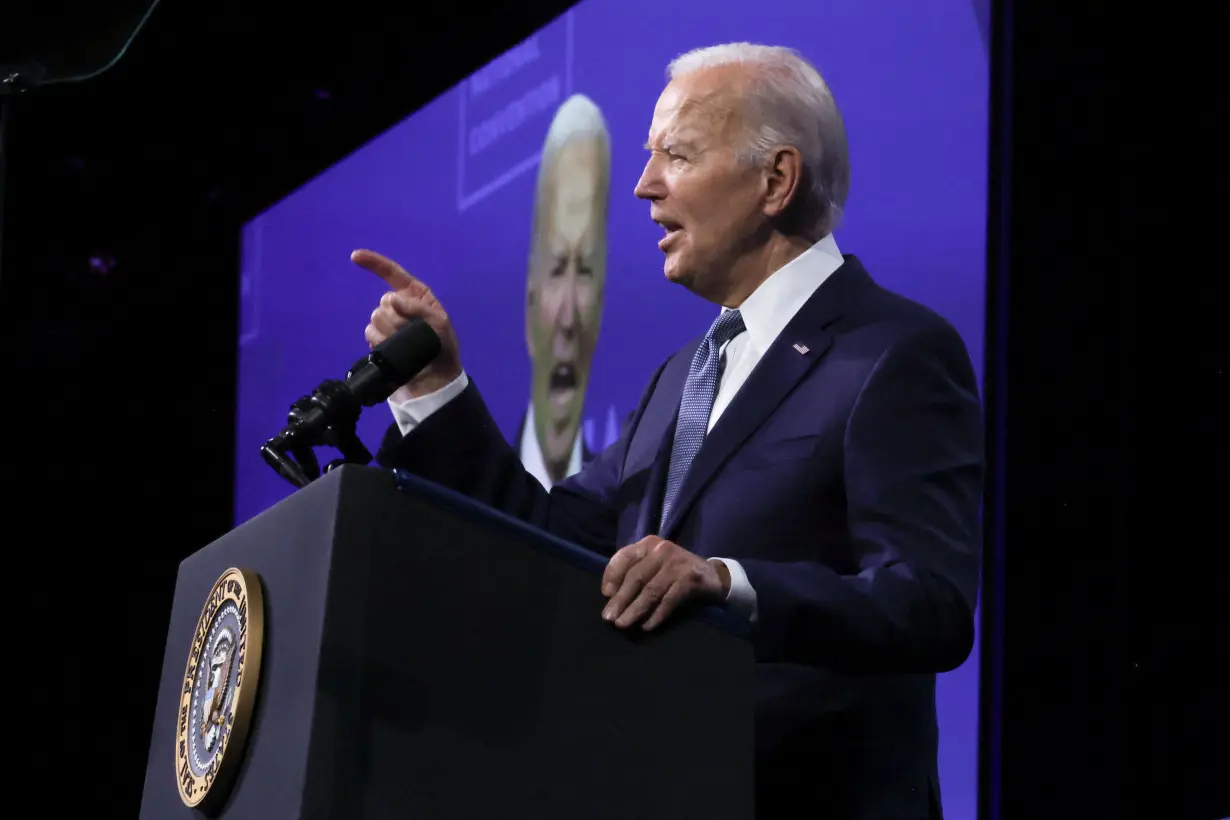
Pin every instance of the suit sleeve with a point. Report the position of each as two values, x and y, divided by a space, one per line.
913 470
459 446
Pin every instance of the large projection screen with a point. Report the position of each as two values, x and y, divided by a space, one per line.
450 192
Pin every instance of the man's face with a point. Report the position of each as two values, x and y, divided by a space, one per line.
564 305
708 202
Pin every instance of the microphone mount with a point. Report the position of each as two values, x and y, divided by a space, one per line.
330 414
292 452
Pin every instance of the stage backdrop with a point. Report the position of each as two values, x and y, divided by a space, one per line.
450 193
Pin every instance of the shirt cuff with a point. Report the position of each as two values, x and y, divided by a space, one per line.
741 598
410 411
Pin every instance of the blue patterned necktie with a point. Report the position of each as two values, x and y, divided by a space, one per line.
697 404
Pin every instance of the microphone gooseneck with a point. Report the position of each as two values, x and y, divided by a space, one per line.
328 415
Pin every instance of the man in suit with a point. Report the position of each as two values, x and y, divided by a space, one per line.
812 462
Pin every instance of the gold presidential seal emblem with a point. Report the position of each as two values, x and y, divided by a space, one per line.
219 689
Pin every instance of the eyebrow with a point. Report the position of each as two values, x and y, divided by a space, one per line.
558 253
674 141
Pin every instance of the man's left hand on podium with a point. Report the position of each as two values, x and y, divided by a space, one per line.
650 579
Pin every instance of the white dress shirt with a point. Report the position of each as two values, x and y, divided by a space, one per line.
765 315
531 453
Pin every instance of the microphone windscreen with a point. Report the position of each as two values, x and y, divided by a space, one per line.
409 350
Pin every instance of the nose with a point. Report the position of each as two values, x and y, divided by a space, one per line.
566 315
567 319
649 186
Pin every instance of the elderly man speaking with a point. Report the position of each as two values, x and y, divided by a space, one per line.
812 461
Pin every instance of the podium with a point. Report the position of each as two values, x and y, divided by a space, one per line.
425 656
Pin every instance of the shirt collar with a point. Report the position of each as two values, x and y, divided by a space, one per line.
532 458
770 307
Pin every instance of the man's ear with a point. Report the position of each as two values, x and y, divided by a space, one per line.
783 180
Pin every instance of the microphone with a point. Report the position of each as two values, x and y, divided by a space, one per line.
329 414
392 363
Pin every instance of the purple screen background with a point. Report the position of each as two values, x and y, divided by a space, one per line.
448 192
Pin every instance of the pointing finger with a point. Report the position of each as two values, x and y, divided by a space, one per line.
392 273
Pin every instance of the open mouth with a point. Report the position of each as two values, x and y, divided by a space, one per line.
673 229
562 387
563 377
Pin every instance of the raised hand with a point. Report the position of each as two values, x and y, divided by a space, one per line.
408 298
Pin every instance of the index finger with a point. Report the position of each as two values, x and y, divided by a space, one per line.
622 561
392 273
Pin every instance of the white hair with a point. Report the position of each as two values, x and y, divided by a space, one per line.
788 103
577 118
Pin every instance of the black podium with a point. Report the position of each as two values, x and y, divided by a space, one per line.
427 657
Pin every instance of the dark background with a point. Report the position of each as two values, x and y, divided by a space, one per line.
1107 373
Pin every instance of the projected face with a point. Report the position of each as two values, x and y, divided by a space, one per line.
564 304
706 200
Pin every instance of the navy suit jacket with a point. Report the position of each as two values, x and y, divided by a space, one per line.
847 481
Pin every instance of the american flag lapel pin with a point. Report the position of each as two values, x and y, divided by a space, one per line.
802 349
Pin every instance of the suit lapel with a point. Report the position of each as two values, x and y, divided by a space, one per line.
651 503
655 434
803 342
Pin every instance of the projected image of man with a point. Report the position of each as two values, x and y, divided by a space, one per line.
564 287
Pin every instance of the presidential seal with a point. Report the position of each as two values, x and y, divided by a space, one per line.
219 691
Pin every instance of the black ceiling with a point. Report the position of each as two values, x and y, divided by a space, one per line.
126 191
240 101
